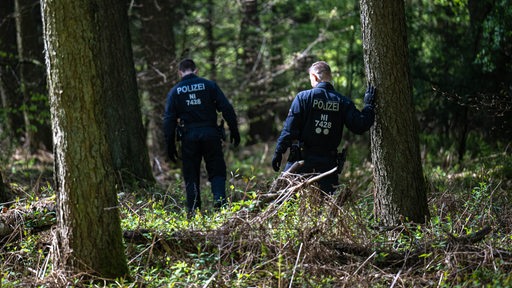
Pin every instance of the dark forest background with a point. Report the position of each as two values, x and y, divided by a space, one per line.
459 59
258 52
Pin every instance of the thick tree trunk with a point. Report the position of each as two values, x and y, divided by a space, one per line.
114 58
400 191
80 76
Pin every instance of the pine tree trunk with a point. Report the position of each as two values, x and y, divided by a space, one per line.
11 100
3 192
89 230
400 191
210 38
159 54
31 75
261 121
126 134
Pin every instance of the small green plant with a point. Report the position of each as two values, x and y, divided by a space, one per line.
305 240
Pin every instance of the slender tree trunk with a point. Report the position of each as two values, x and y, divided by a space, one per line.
3 191
400 191
31 75
210 39
80 77
259 114
159 55
277 59
5 121
11 101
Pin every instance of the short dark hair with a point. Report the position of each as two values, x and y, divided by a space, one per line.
322 70
187 65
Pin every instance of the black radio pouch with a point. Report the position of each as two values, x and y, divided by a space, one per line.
295 152
180 130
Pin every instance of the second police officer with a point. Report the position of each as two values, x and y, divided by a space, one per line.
315 122
194 102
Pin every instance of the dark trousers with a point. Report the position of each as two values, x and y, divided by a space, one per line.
198 144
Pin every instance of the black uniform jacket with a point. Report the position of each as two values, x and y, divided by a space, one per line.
317 116
196 101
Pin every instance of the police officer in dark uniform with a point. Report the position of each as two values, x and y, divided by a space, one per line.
194 102
315 124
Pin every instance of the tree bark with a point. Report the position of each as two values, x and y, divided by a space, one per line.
161 72
32 84
400 191
123 115
5 121
3 191
261 122
210 39
82 71
12 121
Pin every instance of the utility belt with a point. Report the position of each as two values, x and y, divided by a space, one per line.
199 124
299 152
183 127
319 152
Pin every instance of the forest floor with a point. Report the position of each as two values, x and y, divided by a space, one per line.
279 232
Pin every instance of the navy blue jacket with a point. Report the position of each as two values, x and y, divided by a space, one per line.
195 101
317 116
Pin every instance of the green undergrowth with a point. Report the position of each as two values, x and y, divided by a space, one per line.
303 239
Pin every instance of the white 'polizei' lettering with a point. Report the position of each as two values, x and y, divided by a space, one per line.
190 88
326 105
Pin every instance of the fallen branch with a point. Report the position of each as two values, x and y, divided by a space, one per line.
471 238
396 258
286 193
38 216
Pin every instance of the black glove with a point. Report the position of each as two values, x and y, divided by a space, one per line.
235 137
369 95
171 151
276 161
